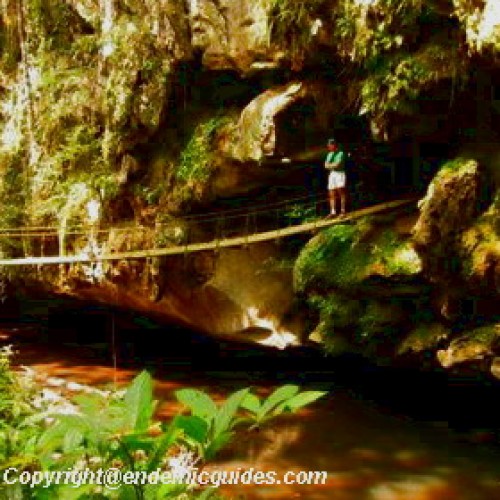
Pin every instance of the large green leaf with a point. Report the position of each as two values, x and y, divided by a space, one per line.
281 394
91 404
200 404
194 427
72 439
170 491
251 403
302 399
217 444
227 411
54 436
139 402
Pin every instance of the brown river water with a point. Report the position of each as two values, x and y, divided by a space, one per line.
374 447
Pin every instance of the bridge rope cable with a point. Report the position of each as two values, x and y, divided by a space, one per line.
189 217
227 215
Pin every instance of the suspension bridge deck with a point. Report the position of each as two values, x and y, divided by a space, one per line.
214 245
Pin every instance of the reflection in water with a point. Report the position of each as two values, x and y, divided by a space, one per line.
369 452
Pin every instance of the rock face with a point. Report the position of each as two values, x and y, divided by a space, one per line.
458 233
255 134
152 110
475 344
227 34
231 34
456 209
226 294
457 237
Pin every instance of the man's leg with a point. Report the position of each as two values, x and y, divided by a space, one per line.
331 199
343 200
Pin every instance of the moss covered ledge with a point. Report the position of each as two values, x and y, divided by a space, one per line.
349 257
363 282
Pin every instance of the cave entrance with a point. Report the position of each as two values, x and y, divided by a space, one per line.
297 128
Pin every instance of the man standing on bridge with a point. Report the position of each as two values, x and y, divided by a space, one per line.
335 162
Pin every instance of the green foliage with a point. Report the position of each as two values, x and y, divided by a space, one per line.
211 427
400 49
331 258
286 398
337 311
136 88
119 430
196 161
12 188
88 108
18 429
12 402
366 32
298 214
394 83
379 319
291 22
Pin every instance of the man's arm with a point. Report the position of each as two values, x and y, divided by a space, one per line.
332 165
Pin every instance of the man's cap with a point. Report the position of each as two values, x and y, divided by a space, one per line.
331 141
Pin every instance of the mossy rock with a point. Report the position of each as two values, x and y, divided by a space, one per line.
347 256
424 337
473 345
380 317
451 204
360 324
334 342
337 311
479 249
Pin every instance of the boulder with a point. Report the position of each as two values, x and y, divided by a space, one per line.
476 344
232 34
457 235
254 136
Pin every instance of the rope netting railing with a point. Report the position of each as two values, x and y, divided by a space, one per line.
207 216
95 242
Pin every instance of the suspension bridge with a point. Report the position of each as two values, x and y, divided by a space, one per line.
38 246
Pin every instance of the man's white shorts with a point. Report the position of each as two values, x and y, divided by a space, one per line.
336 180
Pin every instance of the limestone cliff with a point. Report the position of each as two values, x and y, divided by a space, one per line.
130 113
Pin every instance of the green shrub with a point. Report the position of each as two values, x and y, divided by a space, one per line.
119 430
291 22
19 427
196 161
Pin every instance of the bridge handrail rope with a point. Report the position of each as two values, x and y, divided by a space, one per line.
53 231
117 230
214 245
261 207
